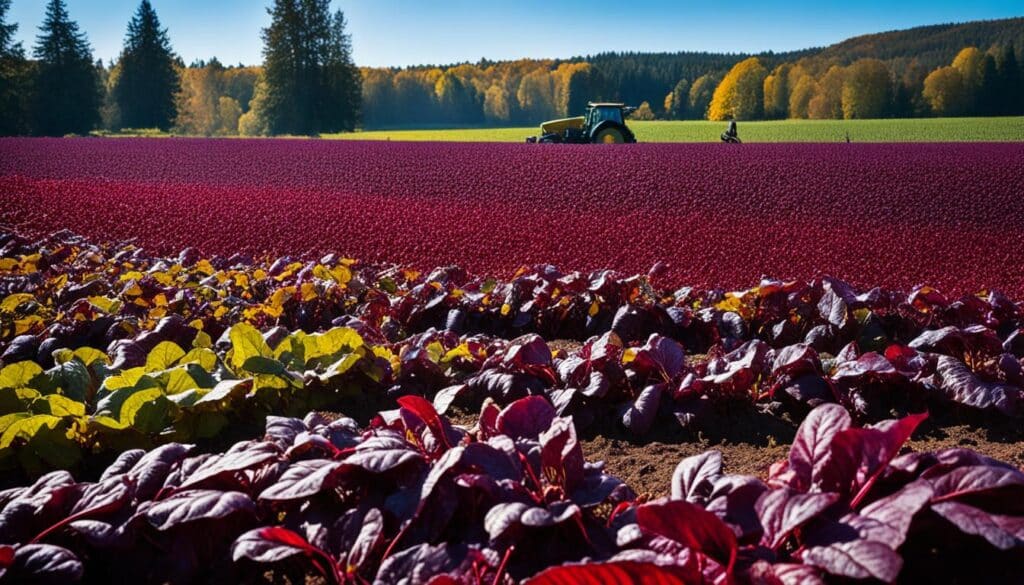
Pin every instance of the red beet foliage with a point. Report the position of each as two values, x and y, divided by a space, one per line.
951 215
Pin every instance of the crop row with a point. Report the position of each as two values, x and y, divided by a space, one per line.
894 215
106 349
413 499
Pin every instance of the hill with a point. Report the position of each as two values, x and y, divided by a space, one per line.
806 83
932 46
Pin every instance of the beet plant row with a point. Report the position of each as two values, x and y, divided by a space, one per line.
107 349
882 214
413 499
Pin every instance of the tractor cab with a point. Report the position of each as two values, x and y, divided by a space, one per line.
603 123
597 113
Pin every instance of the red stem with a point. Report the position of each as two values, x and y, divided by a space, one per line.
398 537
537 497
74 518
501 567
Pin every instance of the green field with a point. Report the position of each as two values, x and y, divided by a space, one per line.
903 130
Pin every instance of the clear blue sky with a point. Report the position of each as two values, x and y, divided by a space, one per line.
404 32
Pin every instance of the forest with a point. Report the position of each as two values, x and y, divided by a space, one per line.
970 69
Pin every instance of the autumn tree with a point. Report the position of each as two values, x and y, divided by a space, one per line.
65 93
776 92
827 103
740 95
496 105
228 114
536 95
946 92
701 92
643 112
415 97
804 88
867 90
578 85
378 97
677 100
968 61
198 101
252 123
907 99
148 79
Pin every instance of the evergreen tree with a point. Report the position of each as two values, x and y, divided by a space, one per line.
987 103
14 71
66 97
1011 90
148 79
312 86
342 80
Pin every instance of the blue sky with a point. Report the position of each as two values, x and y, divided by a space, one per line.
404 32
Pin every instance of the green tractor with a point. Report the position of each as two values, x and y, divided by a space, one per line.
604 123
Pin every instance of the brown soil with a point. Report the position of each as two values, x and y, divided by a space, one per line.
566 345
751 441
648 468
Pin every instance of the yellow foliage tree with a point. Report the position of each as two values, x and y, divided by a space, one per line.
643 112
867 90
776 92
699 99
198 101
945 91
741 94
496 106
228 114
804 89
536 95
969 62
252 123
827 103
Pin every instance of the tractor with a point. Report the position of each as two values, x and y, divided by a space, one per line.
604 123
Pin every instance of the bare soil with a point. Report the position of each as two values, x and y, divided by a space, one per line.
648 467
751 441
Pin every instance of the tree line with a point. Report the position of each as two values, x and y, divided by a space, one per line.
975 82
308 83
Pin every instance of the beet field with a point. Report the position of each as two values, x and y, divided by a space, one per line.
271 361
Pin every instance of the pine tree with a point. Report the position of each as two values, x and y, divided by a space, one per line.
14 71
342 80
66 97
1011 89
311 84
987 103
145 90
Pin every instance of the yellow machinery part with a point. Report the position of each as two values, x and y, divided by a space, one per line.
559 126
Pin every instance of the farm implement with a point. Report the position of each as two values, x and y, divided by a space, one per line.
604 123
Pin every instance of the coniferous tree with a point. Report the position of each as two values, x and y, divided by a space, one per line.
148 81
311 84
987 103
14 71
1011 89
66 97
342 81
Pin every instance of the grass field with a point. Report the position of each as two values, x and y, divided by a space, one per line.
1009 129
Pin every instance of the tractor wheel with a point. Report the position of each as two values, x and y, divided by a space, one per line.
610 135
